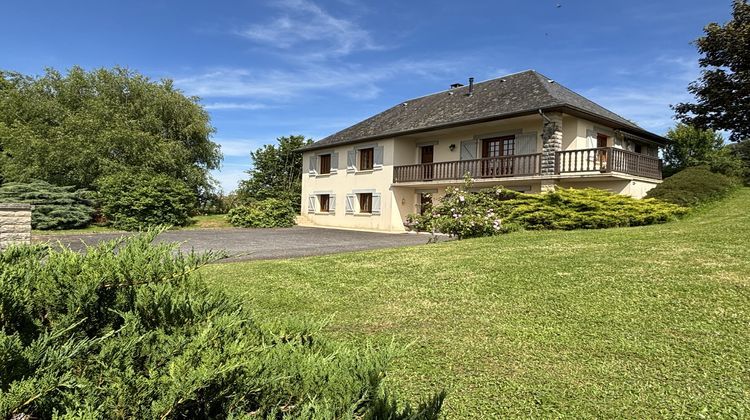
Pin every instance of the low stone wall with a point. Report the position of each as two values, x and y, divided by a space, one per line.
15 224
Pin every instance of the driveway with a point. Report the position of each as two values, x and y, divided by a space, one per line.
257 244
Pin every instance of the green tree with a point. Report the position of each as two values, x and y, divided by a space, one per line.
723 90
276 173
691 146
71 129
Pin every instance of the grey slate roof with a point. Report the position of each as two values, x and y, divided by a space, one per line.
516 94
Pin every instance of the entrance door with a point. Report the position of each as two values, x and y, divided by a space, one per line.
494 151
601 154
425 203
427 158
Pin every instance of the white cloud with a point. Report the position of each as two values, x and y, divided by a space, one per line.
235 105
238 147
305 23
661 83
354 81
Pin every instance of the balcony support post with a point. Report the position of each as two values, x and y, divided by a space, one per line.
552 136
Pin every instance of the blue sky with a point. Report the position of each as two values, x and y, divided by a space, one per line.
266 69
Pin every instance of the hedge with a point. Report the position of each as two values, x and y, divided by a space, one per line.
694 186
129 330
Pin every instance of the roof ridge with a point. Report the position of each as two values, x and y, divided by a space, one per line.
462 87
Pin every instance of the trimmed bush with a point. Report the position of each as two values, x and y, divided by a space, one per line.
268 213
135 201
496 210
129 330
54 207
693 186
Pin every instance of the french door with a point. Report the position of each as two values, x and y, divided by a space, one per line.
498 148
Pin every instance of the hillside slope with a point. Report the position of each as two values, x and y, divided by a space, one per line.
633 322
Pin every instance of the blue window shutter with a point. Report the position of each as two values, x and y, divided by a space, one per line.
311 204
376 203
377 159
334 162
350 204
351 158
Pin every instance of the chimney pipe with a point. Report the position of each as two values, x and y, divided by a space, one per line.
471 86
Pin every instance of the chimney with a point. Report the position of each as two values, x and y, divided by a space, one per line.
471 86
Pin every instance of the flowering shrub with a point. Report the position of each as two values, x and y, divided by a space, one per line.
492 211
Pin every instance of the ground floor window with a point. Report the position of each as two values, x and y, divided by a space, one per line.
325 201
365 202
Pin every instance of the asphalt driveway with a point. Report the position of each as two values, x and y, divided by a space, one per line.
255 244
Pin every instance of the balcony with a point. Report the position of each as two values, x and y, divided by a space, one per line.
580 161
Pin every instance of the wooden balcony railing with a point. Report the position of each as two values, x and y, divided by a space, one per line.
497 167
603 159
607 159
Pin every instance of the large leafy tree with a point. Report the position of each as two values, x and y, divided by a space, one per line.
723 90
691 146
71 129
276 172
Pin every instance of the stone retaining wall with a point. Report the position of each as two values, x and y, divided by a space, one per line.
15 224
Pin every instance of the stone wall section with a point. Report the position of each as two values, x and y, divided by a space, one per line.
15 224
552 138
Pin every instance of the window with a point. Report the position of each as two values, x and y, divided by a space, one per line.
325 201
325 164
365 202
638 148
366 159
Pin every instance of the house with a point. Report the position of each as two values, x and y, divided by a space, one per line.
523 131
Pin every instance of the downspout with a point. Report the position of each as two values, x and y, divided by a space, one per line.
544 116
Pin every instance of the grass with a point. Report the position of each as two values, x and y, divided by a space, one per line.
212 221
635 322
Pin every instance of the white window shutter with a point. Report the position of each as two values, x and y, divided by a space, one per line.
350 204
351 158
376 203
377 157
313 169
525 144
311 204
334 162
468 150
332 203
590 139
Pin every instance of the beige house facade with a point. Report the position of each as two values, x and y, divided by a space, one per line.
522 131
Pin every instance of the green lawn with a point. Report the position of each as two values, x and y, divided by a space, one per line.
635 322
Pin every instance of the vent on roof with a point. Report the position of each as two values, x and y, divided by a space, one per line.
456 85
471 86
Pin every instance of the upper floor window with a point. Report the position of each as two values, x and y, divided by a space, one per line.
325 164
638 148
366 159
